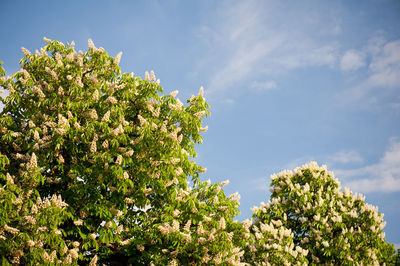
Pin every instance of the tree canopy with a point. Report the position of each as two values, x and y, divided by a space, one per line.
332 225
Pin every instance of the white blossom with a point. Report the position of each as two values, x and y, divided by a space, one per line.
152 76
93 261
91 44
47 40
178 171
117 59
25 51
201 92
146 76
174 93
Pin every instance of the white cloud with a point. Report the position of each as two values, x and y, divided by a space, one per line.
304 56
228 101
253 39
345 157
383 176
239 66
352 60
385 67
382 76
375 44
264 86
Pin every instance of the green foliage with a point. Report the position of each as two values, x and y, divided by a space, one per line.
2 72
395 259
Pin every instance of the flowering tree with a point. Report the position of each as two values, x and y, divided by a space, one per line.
334 226
95 166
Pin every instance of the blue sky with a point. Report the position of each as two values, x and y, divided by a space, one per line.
287 81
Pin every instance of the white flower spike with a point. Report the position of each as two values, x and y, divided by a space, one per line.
201 91
174 93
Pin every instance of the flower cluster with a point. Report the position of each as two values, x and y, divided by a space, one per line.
270 243
202 229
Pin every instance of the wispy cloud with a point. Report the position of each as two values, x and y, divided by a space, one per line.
309 55
385 67
383 71
352 60
345 156
264 86
250 40
383 176
228 101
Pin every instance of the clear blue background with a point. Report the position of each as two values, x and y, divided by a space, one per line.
288 81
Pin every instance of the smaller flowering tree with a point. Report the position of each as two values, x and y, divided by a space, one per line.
335 226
